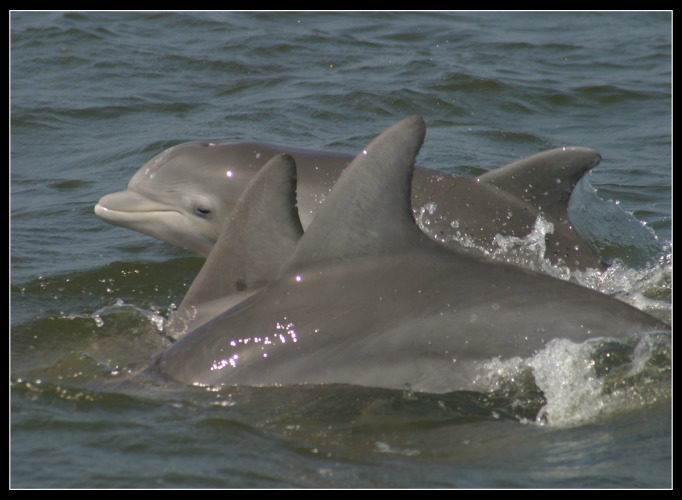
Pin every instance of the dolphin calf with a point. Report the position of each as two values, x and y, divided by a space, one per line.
183 195
365 297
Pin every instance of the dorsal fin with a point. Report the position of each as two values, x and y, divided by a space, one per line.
545 180
256 240
369 211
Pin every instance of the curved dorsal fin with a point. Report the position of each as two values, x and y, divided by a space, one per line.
545 180
369 210
256 240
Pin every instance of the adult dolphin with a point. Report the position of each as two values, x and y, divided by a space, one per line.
368 299
183 195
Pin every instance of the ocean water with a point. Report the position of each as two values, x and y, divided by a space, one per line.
94 95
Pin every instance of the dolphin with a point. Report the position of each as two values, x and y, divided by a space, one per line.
366 298
184 194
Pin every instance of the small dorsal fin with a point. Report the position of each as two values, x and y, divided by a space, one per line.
369 210
545 180
256 240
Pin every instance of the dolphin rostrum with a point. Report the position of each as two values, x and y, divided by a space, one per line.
367 298
183 195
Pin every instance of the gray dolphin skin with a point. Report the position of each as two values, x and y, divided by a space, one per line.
256 239
183 195
366 298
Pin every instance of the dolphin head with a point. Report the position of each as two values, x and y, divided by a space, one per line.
181 196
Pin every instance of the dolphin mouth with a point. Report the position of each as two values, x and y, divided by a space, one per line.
113 214
129 206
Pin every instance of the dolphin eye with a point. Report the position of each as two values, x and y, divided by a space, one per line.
202 212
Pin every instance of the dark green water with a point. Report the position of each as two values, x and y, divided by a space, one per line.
95 95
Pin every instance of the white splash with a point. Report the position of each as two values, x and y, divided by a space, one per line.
582 381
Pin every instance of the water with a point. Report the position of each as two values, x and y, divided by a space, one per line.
95 95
